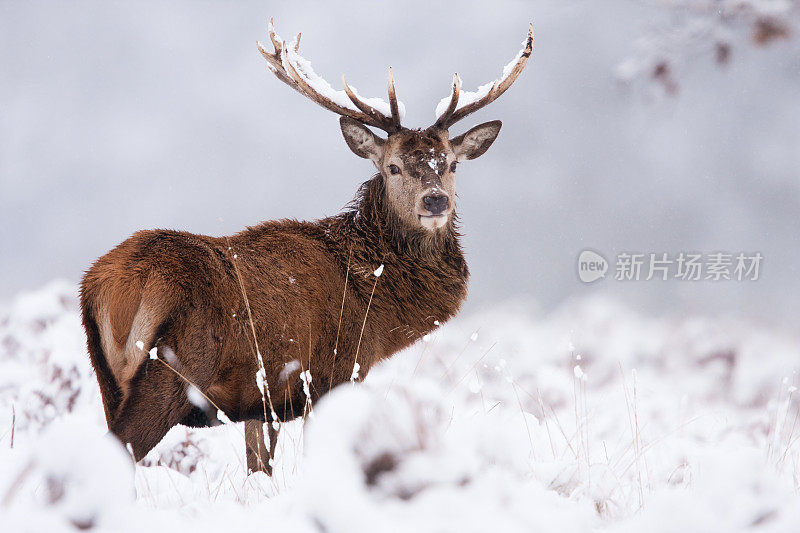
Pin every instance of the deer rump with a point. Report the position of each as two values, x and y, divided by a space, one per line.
180 294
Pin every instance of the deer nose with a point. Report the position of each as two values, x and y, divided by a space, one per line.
436 203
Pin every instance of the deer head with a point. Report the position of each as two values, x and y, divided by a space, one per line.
418 166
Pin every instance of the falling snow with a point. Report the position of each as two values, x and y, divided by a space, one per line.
288 369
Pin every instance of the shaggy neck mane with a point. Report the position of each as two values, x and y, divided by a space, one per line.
425 278
369 215
367 234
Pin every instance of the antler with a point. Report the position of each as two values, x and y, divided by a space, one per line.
462 103
296 72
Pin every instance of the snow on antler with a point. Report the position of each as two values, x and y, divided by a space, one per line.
458 104
296 71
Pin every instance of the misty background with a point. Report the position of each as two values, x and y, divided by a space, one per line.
120 116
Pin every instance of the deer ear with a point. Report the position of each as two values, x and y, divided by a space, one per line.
361 140
476 141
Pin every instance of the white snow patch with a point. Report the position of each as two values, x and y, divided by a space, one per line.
261 377
288 369
169 355
305 377
196 397
466 98
303 67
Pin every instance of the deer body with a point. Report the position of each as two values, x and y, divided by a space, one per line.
168 312
180 293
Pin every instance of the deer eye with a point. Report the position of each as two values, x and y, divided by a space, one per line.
453 166
394 169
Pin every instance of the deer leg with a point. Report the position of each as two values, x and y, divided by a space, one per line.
258 457
255 450
272 433
156 401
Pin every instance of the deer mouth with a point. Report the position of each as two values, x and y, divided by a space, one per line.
432 222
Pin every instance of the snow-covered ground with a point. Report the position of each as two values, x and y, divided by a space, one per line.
591 419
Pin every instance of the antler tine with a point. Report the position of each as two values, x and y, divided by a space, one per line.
443 120
393 101
318 90
274 58
501 85
382 121
275 42
303 87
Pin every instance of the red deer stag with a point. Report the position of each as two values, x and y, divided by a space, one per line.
241 322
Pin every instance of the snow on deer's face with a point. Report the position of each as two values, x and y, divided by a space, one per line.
419 167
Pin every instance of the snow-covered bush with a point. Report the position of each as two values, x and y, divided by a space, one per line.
75 476
590 418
